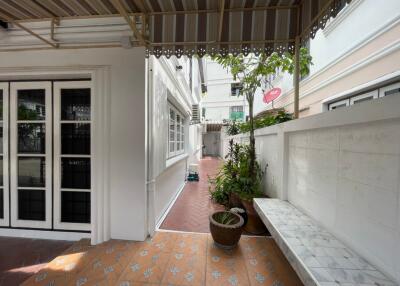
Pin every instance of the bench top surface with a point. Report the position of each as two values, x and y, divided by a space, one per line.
315 254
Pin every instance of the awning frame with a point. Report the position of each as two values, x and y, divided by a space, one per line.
142 35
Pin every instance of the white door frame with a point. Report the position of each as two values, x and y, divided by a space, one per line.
15 221
5 221
100 201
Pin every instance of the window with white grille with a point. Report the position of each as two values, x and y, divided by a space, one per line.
176 132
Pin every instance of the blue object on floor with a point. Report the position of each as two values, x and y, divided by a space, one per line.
193 177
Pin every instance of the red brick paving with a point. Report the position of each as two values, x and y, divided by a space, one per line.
193 206
20 258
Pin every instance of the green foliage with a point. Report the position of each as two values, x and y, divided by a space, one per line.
226 218
233 128
235 176
281 116
253 71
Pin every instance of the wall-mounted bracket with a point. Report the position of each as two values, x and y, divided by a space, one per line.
54 22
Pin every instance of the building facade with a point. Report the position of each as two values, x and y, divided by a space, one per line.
95 141
222 101
355 59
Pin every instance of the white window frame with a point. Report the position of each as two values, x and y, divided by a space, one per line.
179 135
371 94
15 222
337 103
382 90
236 107
5 221
231 108
58 86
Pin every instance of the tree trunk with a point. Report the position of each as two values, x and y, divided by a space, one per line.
250 100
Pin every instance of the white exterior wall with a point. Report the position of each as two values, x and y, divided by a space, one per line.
195 144
342 168
167 186
127 213
353 25
360 46
218 99
167 175
123 80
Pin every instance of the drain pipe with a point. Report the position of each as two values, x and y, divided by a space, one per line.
150 180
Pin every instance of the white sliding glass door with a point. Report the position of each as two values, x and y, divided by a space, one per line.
4 191
31 154
72 155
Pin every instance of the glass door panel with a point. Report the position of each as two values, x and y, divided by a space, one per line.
72 155
4 190
31 149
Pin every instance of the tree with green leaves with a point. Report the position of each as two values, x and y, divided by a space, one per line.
253 73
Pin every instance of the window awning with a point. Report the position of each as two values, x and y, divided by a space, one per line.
188 27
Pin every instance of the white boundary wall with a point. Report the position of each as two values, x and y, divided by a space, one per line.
342 168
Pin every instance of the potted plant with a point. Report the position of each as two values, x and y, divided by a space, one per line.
234 185
254 73
225 185
250 187
226 229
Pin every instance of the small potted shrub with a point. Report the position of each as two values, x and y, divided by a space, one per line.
224 186
226 229
250 188
237 184
253 72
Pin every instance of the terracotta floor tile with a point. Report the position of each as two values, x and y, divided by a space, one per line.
225 267
20 258
187 263
147 270
193 206
178 259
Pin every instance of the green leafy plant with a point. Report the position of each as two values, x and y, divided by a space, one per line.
226 218
225 182
253 72
233 128
272 119
235 176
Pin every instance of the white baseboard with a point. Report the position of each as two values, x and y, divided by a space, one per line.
43 234
168 208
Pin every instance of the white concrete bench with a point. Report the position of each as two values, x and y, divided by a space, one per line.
315 254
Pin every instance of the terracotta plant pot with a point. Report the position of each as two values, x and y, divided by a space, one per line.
226 236
254 224
234 201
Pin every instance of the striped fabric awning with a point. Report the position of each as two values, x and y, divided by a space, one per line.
240 26
188 27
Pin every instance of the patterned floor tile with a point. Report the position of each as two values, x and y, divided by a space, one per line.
21 258
167 259
187 263
225 267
